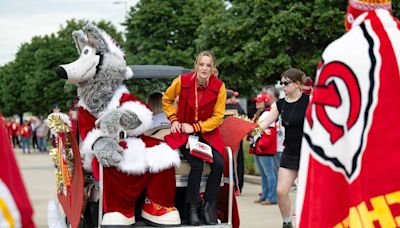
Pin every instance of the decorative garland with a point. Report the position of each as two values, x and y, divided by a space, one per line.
62 156
256 131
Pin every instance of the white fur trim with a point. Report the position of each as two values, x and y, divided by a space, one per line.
82 104
128 73
114 102
64 117
87 162
137 159
91 137
134 157
162 157
55 219
144 114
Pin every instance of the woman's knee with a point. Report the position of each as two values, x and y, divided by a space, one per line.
282 191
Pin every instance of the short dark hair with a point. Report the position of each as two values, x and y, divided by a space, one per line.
56 106
294 75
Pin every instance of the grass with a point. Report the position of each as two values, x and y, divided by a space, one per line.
249 163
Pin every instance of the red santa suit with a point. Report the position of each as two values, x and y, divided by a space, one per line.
349 171
147 163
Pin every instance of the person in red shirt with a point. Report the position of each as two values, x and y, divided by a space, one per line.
14 132
26 135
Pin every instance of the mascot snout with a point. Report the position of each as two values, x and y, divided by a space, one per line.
60 71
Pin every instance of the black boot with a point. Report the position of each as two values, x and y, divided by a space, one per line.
209 213
192 218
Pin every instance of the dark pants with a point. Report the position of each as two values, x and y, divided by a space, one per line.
34 140
214 179
240 167
15 141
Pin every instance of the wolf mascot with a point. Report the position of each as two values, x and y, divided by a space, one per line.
106 108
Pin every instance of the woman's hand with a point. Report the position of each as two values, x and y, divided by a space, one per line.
175 127
187 128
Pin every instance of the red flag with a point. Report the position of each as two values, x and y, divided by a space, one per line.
15 207
72 200
349 171
233 130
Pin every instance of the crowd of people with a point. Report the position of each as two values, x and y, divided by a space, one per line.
32 134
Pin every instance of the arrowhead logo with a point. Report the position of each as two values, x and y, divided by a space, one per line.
326 94
337 118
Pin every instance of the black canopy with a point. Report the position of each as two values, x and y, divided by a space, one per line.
157 71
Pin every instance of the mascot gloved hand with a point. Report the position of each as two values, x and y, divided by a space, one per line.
134 164
111 122
107 151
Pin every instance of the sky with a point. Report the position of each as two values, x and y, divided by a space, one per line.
20 20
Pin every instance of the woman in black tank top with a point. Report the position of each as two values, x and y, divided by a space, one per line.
292 110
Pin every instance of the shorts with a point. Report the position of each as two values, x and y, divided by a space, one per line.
290 161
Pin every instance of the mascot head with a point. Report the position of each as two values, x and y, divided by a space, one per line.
357 7
99 58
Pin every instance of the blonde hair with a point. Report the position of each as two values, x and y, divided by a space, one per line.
155 102
214 69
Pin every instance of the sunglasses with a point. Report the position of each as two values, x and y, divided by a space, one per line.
285 83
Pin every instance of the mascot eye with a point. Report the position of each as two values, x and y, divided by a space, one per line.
86 51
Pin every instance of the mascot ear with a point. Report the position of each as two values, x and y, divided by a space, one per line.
80 40
96 38
101 41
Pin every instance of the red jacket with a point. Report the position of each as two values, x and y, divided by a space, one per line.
26 131
186 111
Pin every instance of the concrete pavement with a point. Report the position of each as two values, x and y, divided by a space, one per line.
38 174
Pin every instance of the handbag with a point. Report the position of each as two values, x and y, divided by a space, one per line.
199 149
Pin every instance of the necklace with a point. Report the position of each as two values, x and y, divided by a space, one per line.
285 120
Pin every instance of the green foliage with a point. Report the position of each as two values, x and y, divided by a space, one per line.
249 162
163 32
255 40
29 82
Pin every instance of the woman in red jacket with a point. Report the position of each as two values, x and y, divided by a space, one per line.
200 110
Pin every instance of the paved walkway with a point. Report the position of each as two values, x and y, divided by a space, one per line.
38 173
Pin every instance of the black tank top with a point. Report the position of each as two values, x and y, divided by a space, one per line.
293 120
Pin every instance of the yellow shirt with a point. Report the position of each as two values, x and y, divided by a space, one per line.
207 125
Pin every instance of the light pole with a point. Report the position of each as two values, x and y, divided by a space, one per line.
125 2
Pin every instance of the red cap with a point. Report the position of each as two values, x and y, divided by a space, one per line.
263 97
309 83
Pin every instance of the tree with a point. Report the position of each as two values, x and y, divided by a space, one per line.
163 32
29 83
255 40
